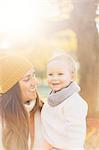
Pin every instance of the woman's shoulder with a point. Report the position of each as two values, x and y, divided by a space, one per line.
1 146
0 124
0 128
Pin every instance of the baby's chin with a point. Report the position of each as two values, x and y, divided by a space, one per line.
56 89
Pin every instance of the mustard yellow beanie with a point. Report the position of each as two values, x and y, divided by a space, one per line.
12 68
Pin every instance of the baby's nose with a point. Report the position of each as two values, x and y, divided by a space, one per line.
55 77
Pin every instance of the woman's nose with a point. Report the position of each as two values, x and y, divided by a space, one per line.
34 81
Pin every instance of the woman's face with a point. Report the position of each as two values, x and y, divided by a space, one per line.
28 86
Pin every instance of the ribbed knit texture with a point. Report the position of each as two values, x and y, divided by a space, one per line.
12 68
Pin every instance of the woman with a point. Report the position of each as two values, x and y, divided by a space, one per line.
19 105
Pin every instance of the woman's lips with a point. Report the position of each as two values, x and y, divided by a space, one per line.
32 90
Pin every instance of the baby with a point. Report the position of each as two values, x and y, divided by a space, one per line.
64 112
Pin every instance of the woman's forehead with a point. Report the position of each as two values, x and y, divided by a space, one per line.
31 71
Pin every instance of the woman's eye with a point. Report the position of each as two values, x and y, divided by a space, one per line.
26 79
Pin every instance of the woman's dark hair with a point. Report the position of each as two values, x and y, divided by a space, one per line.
15 122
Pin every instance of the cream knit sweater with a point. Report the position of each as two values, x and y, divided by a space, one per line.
64 125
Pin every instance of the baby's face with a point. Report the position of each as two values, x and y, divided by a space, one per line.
58 74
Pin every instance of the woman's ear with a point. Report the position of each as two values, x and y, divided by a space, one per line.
0 92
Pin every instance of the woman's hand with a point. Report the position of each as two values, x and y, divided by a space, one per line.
46 145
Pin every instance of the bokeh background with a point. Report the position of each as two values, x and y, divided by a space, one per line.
40 28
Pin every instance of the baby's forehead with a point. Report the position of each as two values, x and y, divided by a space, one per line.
57 65
65 61
57 62
63 57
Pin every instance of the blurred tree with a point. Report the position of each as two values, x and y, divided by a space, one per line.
63 39
83 23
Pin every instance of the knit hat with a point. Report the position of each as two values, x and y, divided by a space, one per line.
12 68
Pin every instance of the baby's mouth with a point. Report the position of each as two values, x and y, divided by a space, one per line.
55 83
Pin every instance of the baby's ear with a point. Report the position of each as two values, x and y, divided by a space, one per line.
73 76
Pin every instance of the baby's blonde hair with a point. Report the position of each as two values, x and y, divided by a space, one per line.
66 58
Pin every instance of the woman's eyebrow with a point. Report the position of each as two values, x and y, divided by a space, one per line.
27 76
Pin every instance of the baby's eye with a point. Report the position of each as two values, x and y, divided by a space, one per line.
60 74
50 74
